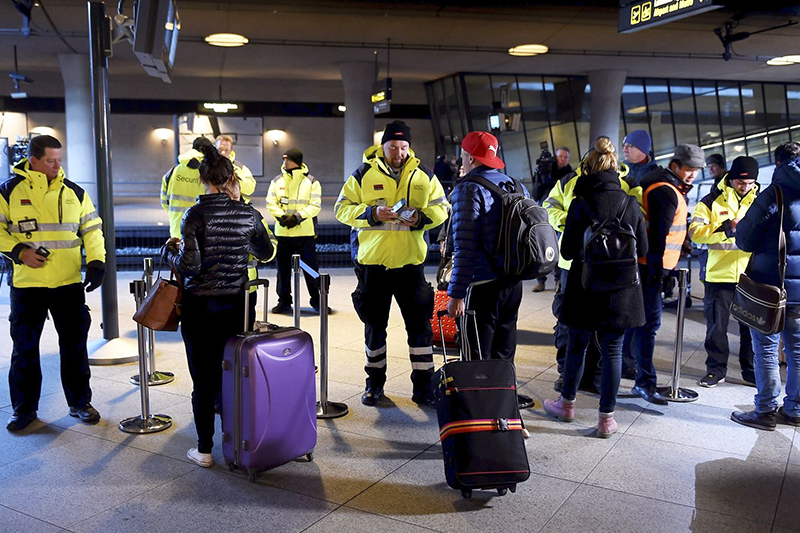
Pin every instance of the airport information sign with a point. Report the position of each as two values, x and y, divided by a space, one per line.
640 14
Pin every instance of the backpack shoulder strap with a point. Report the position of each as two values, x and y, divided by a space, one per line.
480 180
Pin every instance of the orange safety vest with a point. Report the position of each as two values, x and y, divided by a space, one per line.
677 231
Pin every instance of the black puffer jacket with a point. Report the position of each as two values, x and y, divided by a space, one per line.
599 196
219 234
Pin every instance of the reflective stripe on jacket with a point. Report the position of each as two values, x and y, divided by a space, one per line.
295 192
677 231
711 225
390 244
65 218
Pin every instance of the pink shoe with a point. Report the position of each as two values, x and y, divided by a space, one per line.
562 409
606 425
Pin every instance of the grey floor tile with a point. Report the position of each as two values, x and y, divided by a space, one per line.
705 479
712 428
15 522
80 479
788 514
353 521
418 494
33 439
615 512
51 382
210 500
344 465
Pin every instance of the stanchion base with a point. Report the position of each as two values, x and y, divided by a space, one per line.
331 410
155 378
112 352
140 425
679 395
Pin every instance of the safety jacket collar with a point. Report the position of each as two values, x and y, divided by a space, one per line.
375 157
187 156
732 195
295 172
38 179
670 177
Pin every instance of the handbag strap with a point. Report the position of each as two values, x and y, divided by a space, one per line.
781 237
173 274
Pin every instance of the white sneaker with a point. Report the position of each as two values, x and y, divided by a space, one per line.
200 459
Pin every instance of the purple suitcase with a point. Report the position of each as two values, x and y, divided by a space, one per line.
268 396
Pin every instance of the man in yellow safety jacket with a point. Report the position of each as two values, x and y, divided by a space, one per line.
390 201
181 186
45 219
294 199
664 202
714 224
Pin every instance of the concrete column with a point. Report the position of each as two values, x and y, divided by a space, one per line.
606 87
79 143
359 119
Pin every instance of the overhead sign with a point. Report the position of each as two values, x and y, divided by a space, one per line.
642 14
382 96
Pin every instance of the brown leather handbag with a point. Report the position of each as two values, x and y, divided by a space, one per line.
160 310
758 305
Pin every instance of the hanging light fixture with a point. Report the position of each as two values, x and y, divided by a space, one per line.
227 40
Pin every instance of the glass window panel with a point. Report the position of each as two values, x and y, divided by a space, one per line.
683 111
634 109
458 92
660 116
532 98
758 149
515 152
452 111
581 97
793 97
441 110
705 97
479 96
775 116
731 115
755 122
515 156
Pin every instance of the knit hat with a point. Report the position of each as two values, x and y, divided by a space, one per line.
295 155
716 159
640 139
396 131
689 155
483 146
743 168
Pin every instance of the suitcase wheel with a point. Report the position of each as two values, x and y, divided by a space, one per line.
251 475
466 494
513 488
231 466
502 492
310 457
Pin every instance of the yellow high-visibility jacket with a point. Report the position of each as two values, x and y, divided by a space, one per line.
295 192
65 218
390 244
711 225
181 186
558 201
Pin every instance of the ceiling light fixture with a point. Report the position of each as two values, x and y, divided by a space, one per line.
528 50
220 107
779 62
227 40
342 108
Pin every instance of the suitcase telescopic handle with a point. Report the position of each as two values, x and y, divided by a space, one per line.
439 314
247 286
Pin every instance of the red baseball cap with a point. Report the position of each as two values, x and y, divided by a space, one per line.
483 146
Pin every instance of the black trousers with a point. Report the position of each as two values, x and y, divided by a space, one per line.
207 322
287 247
496 306
67 307
717 311
372 300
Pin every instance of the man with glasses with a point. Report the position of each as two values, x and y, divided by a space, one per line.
714 224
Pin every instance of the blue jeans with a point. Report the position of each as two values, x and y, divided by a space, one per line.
644 337
765 361
611 353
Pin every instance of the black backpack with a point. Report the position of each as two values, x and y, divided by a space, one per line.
610 255
527 245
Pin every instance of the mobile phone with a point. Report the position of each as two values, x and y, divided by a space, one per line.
396 208
44 252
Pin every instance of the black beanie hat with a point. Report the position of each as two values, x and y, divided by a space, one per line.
743 168
295 155
716 159
396 131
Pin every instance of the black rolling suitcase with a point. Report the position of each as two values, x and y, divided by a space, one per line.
480 425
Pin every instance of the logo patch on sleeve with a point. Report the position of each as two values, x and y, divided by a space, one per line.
24 201
378 187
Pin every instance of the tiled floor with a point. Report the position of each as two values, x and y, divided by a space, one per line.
683 467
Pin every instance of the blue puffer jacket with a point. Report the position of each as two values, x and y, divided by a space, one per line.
758 232
638 171
475 227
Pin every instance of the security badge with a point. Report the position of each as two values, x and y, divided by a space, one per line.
284 201
28 226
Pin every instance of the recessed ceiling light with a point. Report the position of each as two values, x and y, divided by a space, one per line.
792 58
783 61
227 40
528 50
342 108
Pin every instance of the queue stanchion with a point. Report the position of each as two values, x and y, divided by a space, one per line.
155 377
146 422
674 392
325 408
296 289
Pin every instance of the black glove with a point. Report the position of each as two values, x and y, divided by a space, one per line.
282 220
668 283
291 221
95 272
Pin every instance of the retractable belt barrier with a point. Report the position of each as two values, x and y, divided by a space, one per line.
155 377
325 408
674 392
146 422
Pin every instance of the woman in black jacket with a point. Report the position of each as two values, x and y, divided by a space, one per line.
218 234
600 314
